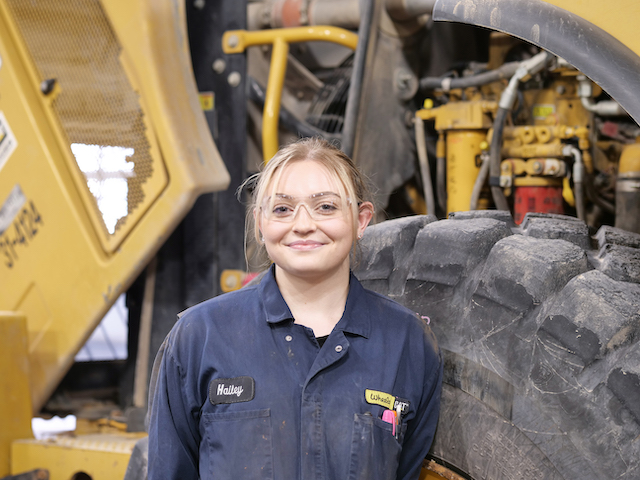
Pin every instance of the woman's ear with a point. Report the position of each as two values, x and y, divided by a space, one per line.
365 214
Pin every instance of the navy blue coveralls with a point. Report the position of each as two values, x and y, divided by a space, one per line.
244 393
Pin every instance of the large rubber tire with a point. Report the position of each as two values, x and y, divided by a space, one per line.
540 331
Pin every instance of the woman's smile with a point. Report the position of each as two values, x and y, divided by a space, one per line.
305 245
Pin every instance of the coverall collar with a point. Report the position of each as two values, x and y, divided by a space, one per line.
355 319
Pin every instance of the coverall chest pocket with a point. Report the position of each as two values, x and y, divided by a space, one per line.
375 452
239 444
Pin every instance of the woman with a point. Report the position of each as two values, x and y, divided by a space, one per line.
307 374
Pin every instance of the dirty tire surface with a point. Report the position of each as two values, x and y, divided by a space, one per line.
540 331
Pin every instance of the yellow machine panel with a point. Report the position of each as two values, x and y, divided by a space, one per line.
14 385
100 456
621 26
103 150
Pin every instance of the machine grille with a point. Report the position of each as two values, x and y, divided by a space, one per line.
328 107
72 41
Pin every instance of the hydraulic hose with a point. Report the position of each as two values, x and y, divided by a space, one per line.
441 182
579 191
441 173
423 160
447 83
355 87
578 186
495 157
479 183
605 108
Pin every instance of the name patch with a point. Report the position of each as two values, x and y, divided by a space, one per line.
379 398
231 390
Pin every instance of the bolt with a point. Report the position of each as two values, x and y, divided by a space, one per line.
233 41
234 79
219 65
47 86
537 167
265 17
199 4
231 282
403 80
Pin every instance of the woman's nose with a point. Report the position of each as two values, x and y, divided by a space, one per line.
302 220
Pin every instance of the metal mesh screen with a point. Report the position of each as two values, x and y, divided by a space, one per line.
73 42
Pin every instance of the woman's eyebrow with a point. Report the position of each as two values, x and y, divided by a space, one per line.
285 195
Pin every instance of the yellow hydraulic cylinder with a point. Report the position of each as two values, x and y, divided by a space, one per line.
15 398
463 150
630 161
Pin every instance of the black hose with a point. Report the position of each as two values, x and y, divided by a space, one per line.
593 195
441 183
355 86
479 183
425 168
578 188
505 71
287 119
495 155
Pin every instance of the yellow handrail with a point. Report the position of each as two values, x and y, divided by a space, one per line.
236 41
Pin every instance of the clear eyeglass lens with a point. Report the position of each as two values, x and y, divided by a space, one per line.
321 206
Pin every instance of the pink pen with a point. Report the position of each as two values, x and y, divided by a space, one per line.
389 416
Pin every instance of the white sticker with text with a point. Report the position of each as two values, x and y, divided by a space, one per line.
8 141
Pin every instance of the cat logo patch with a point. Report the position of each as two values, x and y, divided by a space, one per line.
232 390
401 404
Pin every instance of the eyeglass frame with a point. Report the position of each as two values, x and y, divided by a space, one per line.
300 202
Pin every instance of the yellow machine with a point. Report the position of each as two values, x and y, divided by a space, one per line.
104 149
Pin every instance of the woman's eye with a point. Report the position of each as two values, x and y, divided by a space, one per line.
327 208
281 210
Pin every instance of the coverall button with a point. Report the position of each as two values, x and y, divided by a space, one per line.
288 338
338 348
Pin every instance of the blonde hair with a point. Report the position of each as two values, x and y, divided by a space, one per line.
341 168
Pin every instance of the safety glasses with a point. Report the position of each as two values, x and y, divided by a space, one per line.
320 206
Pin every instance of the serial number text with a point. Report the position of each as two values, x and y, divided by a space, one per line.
20 234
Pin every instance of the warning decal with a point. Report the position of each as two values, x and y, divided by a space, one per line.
8 142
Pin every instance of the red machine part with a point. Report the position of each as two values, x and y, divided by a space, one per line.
536 199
